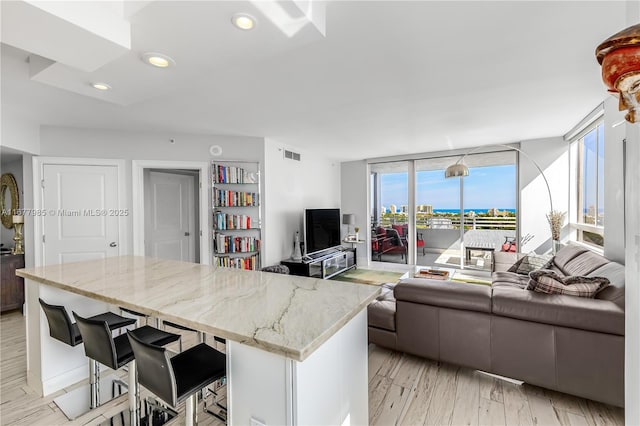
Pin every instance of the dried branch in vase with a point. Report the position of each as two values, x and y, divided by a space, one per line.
556 220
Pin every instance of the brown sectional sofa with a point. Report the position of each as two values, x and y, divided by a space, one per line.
565 343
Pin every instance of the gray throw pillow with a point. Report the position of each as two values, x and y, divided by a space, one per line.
549 282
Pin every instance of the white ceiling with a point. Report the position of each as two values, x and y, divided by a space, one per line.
388 78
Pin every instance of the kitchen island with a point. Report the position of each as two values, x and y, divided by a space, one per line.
296 346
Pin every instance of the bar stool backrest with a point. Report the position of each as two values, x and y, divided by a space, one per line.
60 325
154 369
98 342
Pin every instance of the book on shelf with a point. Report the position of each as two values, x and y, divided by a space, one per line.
249 262
232 174
224 221
224 198
236 244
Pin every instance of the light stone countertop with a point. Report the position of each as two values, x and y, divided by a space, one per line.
283 314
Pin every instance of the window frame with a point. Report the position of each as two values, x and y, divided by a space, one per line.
578 224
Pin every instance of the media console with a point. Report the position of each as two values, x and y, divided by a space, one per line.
324 264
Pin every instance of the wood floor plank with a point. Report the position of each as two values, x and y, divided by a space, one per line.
565 402
389 411
490 387
415 411
576 419
378 388
541 407
409 371
441 407
377 357
390 364
516 405
491 413
467 399
604 415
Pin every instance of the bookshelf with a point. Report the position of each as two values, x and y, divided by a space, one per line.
237 217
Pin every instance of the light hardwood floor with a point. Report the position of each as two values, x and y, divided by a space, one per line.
403 389
407 390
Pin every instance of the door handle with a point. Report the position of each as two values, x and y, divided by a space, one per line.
186 234
113 244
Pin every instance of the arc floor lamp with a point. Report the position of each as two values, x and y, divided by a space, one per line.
459 169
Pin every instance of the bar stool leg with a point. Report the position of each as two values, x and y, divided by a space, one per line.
94 383
134 396
191 411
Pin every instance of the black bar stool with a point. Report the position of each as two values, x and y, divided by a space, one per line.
77 402
101 347
140 315
221 410
179 378
201 336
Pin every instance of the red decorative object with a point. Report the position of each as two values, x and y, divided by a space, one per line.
619 56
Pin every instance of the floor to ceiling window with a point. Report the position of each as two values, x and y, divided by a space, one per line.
590 170
458 222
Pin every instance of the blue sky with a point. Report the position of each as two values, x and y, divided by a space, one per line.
484 188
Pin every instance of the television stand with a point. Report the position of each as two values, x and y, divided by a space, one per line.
325 264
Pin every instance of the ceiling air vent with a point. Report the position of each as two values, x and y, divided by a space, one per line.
291 155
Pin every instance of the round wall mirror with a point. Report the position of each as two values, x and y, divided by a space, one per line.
9 199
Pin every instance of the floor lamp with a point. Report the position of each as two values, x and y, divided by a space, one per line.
459 169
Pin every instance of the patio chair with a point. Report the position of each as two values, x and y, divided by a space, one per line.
388 241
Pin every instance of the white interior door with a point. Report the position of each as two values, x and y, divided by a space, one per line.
80 212
170 216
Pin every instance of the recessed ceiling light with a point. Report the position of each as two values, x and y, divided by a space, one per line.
243 21
101 86
158 60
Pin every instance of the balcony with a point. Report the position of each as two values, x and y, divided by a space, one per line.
441 236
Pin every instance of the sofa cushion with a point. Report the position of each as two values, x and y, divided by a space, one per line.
382 311
566 254
545 281
448 294
509 279
584 264
614 292
557 309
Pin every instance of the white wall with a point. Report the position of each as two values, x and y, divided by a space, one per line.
18 132
614 199
355 199
290 187
128 145
552 155
632 279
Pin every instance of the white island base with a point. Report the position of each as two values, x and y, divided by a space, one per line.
330 387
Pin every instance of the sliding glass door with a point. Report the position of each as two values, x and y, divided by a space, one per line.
438 207
489 196
389 212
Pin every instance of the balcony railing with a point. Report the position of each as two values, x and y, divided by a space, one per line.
476 222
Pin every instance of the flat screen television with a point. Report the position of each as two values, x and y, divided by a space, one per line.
321 229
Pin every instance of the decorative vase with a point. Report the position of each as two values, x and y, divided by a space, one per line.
555 246
18 238
297 255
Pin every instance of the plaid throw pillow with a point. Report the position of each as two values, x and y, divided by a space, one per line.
531 262
546 281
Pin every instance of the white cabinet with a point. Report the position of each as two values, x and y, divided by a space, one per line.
237 218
